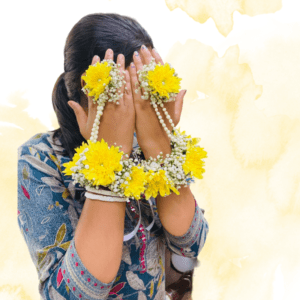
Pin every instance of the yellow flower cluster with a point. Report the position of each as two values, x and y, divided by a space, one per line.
158 183
193 161
96 78
136 184
73 162
149 183
163 81
104 162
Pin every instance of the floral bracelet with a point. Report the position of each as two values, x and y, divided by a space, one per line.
178 168
95 164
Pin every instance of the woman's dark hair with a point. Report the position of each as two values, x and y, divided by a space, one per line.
91 35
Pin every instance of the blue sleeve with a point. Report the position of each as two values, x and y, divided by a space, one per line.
46 220
191 243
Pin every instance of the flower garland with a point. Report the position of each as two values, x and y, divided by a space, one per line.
95 164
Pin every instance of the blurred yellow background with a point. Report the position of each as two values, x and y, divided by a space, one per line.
240 64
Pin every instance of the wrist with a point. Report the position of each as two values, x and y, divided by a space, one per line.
153 149
126 150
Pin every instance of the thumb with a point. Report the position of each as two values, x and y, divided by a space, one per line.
80 114
178 106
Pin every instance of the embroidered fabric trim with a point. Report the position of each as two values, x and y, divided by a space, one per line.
85 288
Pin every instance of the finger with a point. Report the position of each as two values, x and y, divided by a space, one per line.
121 61
80 114
137 60
146 55
138 63
95 59
134 84
109 54
128 96
157 57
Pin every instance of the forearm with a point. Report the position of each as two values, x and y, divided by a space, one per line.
99 237
176 212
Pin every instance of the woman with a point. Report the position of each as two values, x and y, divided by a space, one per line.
118 249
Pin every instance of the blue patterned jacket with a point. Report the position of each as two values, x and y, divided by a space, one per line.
49 206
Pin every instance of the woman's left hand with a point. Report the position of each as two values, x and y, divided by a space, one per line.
151 136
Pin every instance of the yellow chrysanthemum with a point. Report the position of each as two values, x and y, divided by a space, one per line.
136 185
95 77
158 183
193 142
70 164
193 162
103 163
162 80
76 157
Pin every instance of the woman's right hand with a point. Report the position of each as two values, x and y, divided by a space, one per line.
117 123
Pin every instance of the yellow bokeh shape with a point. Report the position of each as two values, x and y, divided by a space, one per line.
222 11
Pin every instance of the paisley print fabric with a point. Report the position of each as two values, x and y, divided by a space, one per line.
49 206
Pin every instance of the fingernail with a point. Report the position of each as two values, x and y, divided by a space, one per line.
132 65
155 50
144 47
136 53
184 92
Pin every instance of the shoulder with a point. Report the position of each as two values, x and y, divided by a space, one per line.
43 143
41 152
39 142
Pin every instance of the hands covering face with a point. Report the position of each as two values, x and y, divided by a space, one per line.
119 121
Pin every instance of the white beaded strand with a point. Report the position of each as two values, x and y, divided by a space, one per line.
161 120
